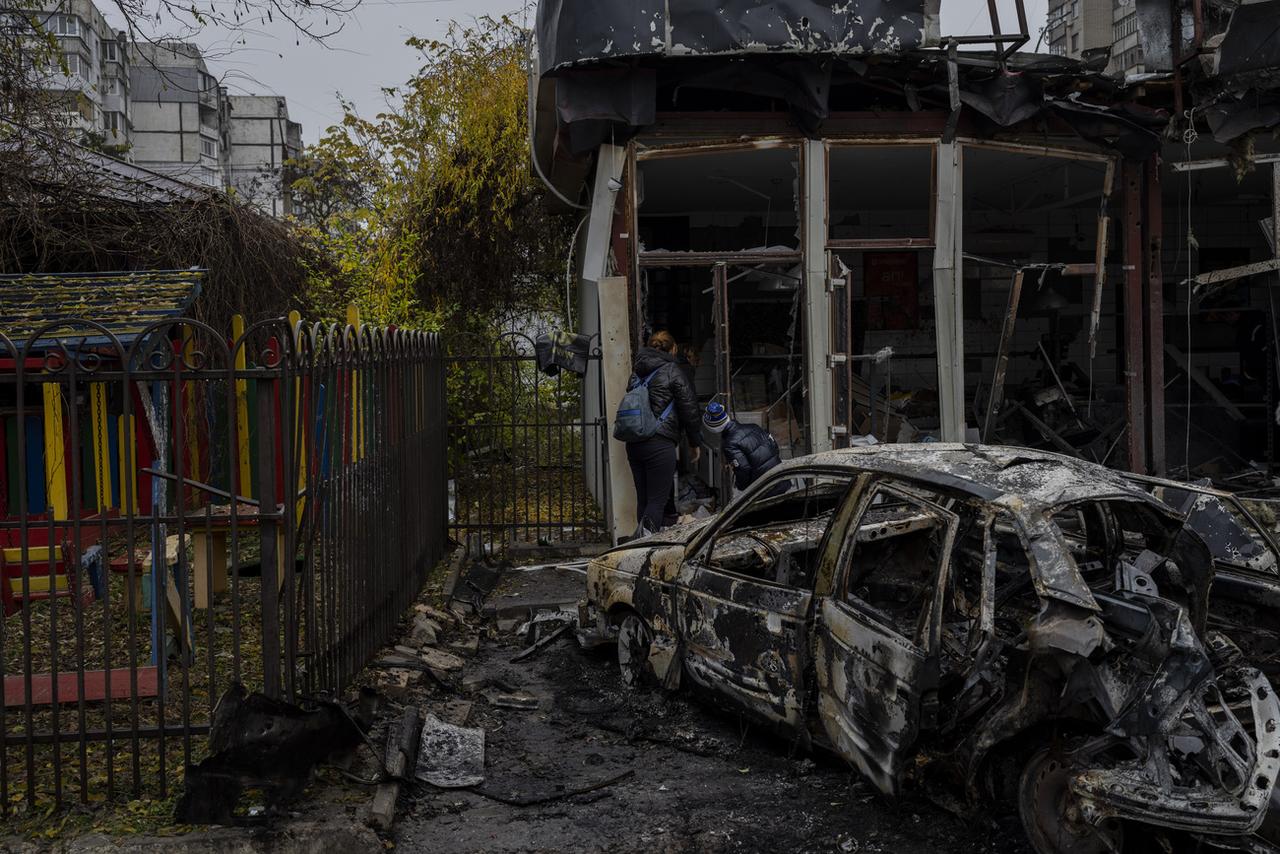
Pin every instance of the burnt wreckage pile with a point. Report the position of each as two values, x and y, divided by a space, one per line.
999 625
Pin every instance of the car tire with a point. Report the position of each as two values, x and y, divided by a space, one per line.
635 639
1049 815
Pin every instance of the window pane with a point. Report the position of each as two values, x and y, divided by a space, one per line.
880 192
719 202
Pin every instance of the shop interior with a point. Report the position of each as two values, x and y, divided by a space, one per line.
720 267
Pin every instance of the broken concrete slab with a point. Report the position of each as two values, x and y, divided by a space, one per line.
521 595
450 757
442 618
546 621
397 683
425 631
545 640
467 646
438 659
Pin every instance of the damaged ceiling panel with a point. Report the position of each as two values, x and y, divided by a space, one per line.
582 32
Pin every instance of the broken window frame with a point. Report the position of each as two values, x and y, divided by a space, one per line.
640 152
716 262
1098 272
840 359
928 636
753 498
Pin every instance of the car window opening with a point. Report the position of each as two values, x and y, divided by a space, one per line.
778 537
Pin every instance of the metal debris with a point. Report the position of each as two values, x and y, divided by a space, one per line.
514 700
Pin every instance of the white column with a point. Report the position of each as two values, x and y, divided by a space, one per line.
595 292
948 293
615 348
610 160
817 303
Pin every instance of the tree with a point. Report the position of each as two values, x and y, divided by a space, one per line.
436 194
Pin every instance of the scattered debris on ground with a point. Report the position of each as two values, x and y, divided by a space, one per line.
260 743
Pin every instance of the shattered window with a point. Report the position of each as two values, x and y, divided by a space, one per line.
892 569
778 535
719 201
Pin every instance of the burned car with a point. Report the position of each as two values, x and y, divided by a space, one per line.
1031 629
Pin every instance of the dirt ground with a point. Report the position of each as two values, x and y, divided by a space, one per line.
697 779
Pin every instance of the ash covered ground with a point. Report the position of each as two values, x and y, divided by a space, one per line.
687 777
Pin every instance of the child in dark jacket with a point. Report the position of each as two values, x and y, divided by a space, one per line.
750 449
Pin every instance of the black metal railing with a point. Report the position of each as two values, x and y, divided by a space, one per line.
181 510
528 451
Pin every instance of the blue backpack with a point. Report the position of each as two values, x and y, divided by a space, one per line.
635 421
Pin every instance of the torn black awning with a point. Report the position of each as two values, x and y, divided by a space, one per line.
585 32
1252 41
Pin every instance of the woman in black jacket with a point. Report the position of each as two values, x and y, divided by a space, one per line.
653 461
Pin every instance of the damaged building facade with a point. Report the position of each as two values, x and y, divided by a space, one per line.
860 226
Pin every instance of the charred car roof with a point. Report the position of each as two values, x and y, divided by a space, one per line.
1039 479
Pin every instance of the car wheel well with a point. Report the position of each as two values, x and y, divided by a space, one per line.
1000 770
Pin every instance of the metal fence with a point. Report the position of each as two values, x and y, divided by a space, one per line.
181 510
528 453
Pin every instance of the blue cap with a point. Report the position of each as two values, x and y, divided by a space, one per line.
715 418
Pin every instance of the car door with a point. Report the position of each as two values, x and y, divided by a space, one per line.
877 631
744 613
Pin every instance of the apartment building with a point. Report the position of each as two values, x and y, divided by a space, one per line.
262 141
158 105
180 113
88 71
1074 26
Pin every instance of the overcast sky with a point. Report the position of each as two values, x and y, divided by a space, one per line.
370 52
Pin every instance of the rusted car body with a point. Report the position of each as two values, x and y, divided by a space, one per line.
1028 627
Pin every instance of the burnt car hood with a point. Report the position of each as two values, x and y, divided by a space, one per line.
676 535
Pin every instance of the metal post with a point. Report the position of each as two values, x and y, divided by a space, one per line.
996 398
948 296
1152 227
1135 410
817 317
268 526
1274 361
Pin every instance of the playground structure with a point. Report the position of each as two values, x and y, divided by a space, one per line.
183 508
